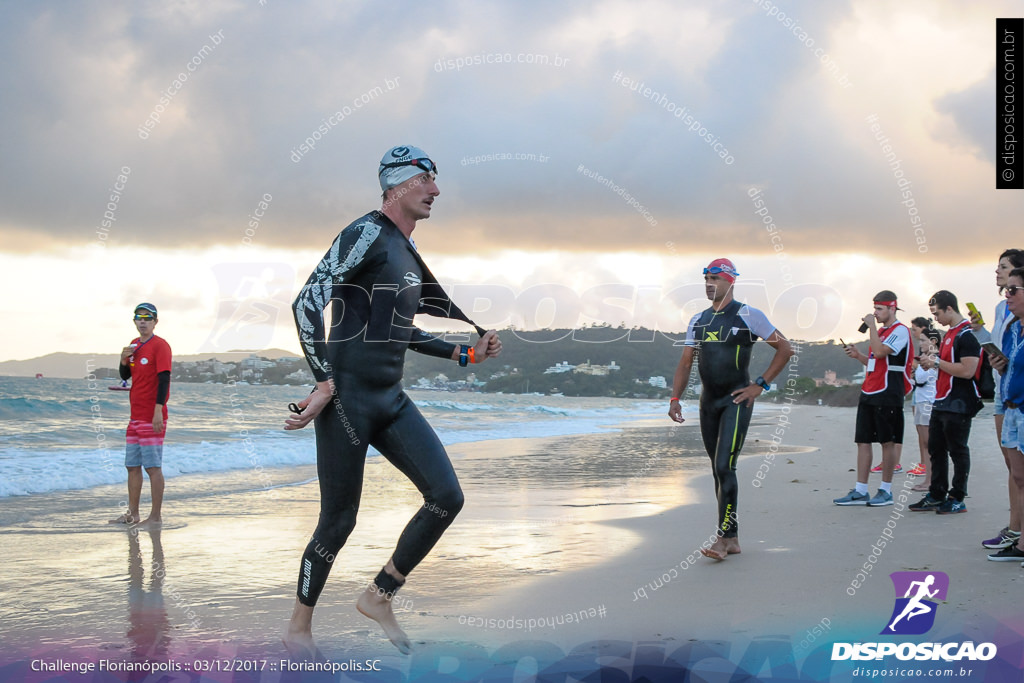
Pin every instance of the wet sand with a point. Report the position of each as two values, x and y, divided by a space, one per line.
562 541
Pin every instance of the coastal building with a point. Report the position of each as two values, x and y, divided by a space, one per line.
559 368
596 370
831 380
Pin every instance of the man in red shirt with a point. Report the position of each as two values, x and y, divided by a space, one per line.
147 361
880 410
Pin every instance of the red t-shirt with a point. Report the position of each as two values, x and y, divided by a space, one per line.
150 358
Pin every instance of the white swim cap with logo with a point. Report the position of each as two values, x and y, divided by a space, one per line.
401 163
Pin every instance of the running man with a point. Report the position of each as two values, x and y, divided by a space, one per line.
376 283
880 409
147 362
915 607
722 337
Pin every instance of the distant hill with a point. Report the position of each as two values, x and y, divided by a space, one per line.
73 365
640 353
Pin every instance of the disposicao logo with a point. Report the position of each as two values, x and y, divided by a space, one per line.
917 598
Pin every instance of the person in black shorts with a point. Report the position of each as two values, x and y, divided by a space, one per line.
956 403
880 410
375 282
722 337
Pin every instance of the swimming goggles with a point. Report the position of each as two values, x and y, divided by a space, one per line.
716 270
426 164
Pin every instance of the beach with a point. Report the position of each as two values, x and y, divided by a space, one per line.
572 553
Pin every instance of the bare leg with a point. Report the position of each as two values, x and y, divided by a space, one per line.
864 463
298 639
134 493
1012 487
1017 474
376 604
890 458
156 487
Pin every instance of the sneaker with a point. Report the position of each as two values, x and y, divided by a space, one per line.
1004 539
917 471
1007 554
877 469
926 504
881 498
852 498
952 506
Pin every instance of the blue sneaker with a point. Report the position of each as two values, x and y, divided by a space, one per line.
852 498
881 498
951 506
926 504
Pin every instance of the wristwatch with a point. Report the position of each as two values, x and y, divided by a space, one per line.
763 384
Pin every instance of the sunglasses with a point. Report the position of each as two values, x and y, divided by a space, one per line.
144 318
1013 289
426 164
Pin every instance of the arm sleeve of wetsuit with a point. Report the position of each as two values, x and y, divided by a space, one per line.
125 371
430 345
341 262
691 333
757 322
163 386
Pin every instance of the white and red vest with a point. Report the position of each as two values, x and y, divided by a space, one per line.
876 380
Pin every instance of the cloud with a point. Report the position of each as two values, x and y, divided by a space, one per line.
468 80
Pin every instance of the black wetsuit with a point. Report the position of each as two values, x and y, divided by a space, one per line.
723 340
375 283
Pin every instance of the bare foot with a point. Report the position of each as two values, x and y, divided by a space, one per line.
301 647
718 551
150 523
732 546
378 607
126 518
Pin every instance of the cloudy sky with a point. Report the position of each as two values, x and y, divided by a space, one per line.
593 157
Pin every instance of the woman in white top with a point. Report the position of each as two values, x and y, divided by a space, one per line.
1008 260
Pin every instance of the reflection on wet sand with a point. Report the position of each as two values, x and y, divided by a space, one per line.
148 625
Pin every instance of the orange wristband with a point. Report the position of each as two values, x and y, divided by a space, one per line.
472 354
673 399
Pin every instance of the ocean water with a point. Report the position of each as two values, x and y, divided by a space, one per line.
63 434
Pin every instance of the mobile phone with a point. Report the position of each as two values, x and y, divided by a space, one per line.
974 309
993 351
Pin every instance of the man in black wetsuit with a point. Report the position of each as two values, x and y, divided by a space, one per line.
721 337
376 282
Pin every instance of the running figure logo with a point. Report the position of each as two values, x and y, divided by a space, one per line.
914 612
